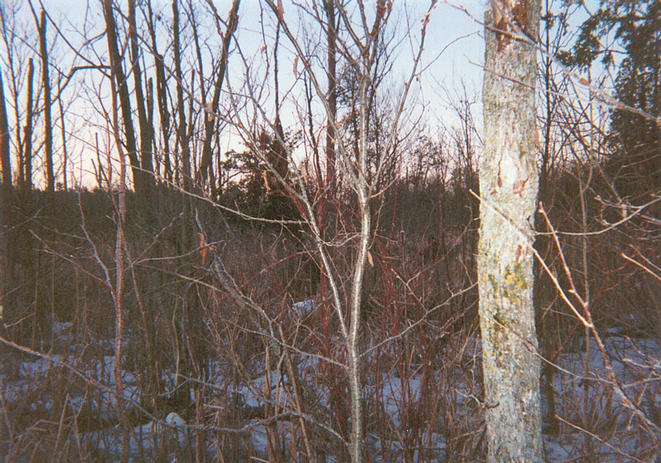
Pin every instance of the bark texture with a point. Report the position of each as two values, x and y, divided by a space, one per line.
508 188
139 177
331 62
6 261
48 125
209 121
146 129
26 165
5 158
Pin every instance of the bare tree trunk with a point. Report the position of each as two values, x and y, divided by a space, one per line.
182 144
187 359
146 130
161 96
117 289
6 264
364 191
5 159
48 125
123 93
150 123
5 187
119 313
331 72
26 167
182 140
206 170
119 310
65 153
276 153
508 187
544 324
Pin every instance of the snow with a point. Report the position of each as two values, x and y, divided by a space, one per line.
588 398
583 398
303 308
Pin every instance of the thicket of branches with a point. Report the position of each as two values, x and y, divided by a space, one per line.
280 243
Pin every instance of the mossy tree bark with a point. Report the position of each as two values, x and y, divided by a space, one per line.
508 189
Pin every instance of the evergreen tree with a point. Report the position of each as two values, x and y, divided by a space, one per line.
635 121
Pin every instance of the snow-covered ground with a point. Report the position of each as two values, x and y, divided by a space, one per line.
593 415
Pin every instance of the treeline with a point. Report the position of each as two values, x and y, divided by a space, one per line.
318 283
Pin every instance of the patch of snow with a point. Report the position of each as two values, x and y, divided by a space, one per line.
636 365
174 420
303 308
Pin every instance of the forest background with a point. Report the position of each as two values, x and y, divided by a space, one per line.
201 200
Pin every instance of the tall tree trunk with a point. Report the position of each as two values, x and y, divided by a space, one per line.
6 261
48 125
508 187
182 139
123 93
183 159
117 291
206 169
545 326
146 131
276 153
5 159
26 166
331 62
65 153
161 96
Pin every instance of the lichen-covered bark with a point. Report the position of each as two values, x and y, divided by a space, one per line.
508 188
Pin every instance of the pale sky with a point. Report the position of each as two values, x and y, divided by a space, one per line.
452 46
453 51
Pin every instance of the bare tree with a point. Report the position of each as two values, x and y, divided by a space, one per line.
45 83
146 129
331 72
26 158
182 131
508 188
117 72
14 59
6 264
5 158
360 46
209 121
161 96
323 305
